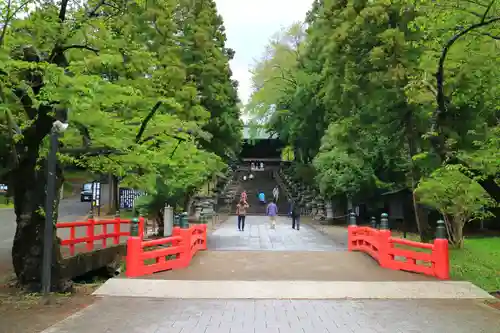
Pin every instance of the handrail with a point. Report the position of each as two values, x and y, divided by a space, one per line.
183 244
380 245
91 235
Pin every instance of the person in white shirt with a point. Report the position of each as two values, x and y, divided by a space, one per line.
276 193
250 176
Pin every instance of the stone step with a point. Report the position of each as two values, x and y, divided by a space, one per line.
179 289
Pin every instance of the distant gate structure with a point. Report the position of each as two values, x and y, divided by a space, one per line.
260 146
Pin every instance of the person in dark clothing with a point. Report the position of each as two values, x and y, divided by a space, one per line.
295 214
241 212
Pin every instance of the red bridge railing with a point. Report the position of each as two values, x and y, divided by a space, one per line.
95 230
175 251
428 259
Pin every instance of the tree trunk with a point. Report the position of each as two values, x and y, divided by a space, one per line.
188 200
421 217
455 228
422 220
159 222
29 184
458 232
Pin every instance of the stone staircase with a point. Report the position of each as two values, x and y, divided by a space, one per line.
263 181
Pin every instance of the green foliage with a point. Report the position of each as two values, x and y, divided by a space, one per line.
146 86
207 60
287 154
274 74
340 174
360 98
452 193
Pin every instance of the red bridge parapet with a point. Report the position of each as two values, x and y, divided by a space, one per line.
401 254
89 231
175 251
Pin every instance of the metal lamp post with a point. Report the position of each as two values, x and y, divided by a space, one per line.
57 128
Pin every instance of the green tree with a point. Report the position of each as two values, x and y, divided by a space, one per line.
134 107
369 109
207 59
464 99
457 197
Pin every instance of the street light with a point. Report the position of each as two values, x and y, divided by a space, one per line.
57 128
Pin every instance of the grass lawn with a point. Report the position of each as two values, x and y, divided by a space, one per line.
478 262
4 204
127 214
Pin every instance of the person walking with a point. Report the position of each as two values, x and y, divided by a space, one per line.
272 211
262 197
295 214
241 211
276 193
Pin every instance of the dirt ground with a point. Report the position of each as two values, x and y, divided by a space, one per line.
26 313
278 265
495 304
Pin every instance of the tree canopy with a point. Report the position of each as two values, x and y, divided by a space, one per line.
390 95
145 86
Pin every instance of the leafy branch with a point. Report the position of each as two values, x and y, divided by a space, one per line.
441 99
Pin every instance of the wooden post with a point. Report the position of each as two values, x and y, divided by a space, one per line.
90 233
117 228
350 231
133 260
384 259
440 253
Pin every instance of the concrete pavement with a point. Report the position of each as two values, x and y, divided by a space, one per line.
146 315
293 289
283 306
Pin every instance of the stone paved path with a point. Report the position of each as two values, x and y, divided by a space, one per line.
134 315
235 254
258 236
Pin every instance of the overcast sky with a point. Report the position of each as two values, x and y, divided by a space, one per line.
249 25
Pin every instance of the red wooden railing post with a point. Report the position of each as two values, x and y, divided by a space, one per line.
105 235
350 232
204 229
117 228
133 260
90 233
72 236
384 235
141 227
440 253
186 247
